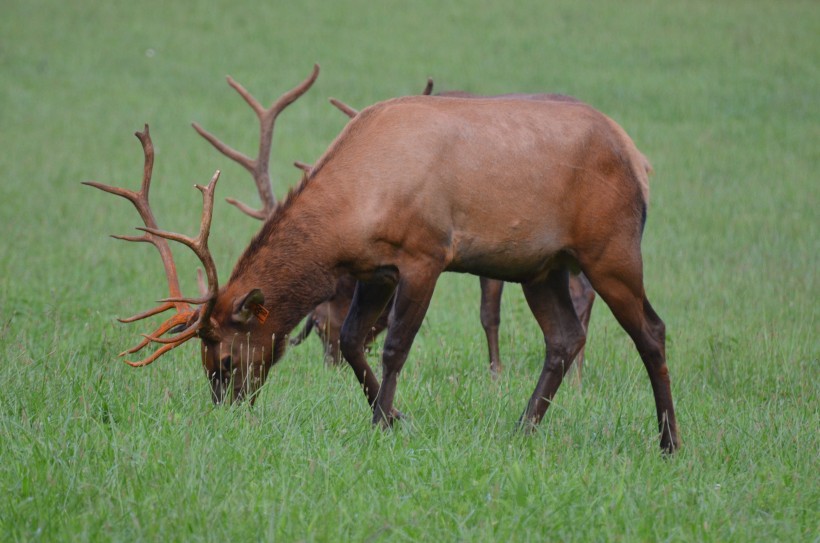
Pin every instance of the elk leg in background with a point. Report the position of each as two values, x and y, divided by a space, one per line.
304 332
491 319
583 296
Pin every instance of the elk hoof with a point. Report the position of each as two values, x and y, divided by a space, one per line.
385 421
395 414
527 425
669 445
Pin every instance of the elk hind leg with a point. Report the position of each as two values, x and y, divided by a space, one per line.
621 287
550 303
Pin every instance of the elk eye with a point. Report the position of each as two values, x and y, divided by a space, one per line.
210 336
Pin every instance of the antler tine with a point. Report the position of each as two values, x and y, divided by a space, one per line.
176 342
244 160
247 210
259 167
344 108
428 90
350 112
159 352
176 320
165 306
305 167
148 164
292 95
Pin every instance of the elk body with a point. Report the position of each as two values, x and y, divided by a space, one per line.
518 191
413 187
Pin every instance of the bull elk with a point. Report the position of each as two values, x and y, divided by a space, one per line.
520 191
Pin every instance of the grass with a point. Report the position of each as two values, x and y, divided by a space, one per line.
723 98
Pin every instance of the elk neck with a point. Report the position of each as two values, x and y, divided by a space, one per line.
293 259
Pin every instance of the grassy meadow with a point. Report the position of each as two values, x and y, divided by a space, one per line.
724 99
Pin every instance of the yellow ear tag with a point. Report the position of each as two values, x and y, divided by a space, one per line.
260 312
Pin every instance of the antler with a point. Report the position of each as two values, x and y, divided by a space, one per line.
344 108
350 112
304 166
258 167
157 238
199 245
428 90
140 201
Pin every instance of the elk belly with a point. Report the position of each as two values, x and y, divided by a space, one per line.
507 255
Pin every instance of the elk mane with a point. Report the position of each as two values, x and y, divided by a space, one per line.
270 225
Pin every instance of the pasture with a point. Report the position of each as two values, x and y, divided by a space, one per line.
724 99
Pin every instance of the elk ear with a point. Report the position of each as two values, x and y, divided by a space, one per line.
249 306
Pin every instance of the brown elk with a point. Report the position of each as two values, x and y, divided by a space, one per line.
519 191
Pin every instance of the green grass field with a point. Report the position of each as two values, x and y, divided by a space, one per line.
724 98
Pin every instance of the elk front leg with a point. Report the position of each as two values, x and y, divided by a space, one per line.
369 301
564 336
491 319
409 307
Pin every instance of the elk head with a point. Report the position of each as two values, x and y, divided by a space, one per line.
226 323
238 345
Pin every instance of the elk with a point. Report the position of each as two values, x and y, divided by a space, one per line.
519 191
